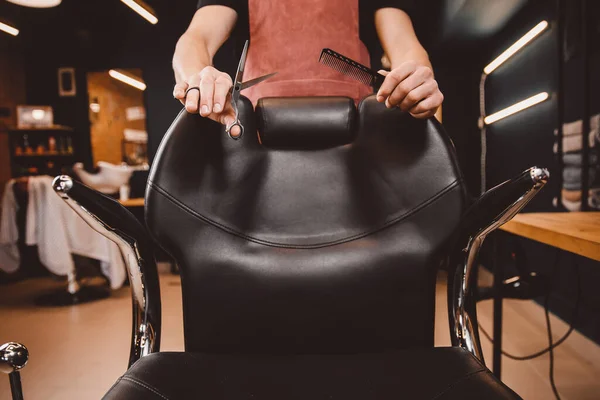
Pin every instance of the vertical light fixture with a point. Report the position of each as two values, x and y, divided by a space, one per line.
491 67
143 9
11 30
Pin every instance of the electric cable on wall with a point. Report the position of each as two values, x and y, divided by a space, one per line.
481 124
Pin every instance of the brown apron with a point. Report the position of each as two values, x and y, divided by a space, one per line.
288 35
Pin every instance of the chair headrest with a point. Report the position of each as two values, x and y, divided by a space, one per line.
306 122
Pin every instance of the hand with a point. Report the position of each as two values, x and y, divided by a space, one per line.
413 88
212 100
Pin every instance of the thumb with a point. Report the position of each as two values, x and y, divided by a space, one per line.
227 118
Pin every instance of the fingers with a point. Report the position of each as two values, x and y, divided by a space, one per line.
418 94
428 105
222 87
207 90
406 86
235 131
211 95
192 99
226 118
179 91
412 88
424 115
394 78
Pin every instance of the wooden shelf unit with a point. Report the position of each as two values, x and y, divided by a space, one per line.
33 163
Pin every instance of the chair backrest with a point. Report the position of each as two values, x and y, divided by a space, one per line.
316 246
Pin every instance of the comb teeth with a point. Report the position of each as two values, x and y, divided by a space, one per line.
347 66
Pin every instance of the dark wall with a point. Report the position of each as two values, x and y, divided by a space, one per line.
527 139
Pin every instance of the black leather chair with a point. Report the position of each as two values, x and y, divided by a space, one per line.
308 256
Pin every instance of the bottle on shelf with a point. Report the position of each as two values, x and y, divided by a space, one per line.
52 144
28 149
61 145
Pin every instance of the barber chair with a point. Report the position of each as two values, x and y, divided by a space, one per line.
308 256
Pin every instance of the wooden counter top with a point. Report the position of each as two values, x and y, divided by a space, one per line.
138 202
577 232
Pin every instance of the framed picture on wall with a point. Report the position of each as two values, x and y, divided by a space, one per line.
66 82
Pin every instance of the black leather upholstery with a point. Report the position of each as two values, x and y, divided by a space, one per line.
305 122
440 373
308 272
307 252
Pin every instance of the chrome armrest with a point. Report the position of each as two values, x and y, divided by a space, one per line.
109 218
493 209
13 357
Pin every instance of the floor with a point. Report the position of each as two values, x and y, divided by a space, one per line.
78 352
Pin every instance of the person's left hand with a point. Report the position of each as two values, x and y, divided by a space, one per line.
411 87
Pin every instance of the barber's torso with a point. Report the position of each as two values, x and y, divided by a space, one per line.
288 36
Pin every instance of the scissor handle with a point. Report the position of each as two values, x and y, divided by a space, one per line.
230 127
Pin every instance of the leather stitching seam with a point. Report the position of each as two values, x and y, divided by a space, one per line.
232 231
114 385
142 384
453 384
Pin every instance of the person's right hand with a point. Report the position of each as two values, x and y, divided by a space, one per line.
212 100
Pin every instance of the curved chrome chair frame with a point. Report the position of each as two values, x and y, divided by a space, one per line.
139 261
463 318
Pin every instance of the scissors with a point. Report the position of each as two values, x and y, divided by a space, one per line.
238 86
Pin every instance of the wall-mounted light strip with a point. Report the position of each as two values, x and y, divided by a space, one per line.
130 80
515 108
518 45
143 9
9 29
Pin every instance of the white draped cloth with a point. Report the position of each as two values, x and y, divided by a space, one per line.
58 232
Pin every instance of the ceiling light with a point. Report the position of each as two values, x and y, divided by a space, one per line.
515 108
128 79
36 3
143 9
9 29
508 53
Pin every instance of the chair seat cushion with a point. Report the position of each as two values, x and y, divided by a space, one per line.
436 373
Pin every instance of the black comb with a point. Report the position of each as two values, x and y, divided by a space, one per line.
350 68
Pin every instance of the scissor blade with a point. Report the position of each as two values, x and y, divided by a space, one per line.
256 81
241 65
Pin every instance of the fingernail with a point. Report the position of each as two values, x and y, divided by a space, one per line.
379 98
205 109
217 108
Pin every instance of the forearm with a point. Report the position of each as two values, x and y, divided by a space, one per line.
398 39
191 56
411 84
